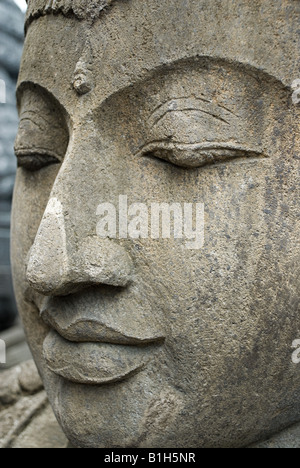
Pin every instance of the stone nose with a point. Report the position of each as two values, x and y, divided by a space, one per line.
58 265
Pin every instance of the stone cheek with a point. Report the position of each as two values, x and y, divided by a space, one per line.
159 105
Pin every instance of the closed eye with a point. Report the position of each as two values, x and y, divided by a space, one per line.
34 160
198 155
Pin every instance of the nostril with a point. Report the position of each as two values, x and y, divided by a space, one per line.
103 261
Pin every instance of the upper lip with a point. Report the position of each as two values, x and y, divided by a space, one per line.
76 328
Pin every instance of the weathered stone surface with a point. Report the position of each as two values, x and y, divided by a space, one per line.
147 103
290 438
21 379
29 379
42 432
9 387
81 9
29 422
26 418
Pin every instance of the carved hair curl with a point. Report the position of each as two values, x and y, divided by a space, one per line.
80 9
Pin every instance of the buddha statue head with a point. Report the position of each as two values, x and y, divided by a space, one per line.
155 239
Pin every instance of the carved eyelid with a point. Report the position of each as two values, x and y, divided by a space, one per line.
35 159
23 151
208 150
166 144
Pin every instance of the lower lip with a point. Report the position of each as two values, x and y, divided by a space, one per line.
94 363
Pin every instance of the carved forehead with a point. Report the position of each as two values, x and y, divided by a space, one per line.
137 36
80 9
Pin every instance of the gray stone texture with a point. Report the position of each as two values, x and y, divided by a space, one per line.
141 341
26 418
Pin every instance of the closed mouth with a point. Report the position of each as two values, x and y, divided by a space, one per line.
96 327
96 349
83 330
94 363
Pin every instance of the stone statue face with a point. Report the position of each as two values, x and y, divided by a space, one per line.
141 341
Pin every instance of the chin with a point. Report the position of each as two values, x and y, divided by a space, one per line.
138 412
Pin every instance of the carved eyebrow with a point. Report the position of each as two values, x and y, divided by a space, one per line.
191 104
178 99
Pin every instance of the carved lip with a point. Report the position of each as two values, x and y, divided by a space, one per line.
87 331
100 343
94 363
77 327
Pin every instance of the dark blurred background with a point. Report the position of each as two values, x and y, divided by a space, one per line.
11 43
